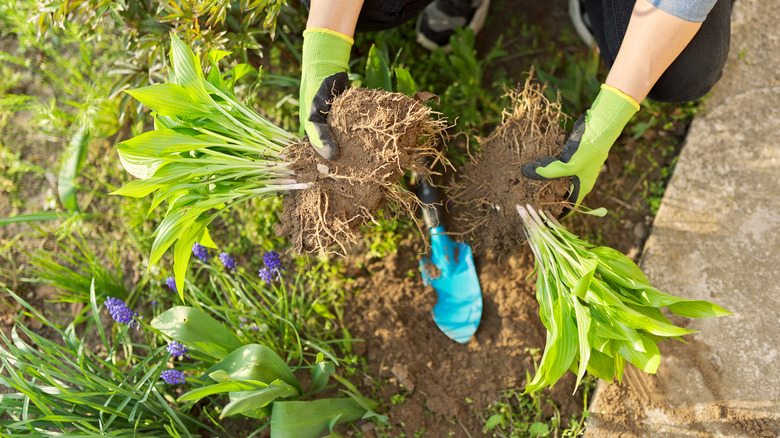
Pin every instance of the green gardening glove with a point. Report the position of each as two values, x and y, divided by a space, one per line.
323 77
587 148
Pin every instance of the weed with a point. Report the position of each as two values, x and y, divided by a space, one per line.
580 82
518 414
397 399
75 267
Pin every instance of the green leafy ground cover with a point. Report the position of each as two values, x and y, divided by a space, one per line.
66 245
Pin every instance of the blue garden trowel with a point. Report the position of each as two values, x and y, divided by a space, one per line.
450 271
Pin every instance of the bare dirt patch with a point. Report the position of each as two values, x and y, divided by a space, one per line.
445 385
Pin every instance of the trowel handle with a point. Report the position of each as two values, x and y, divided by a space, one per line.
432 208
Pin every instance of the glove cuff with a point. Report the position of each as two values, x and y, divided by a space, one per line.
316 30
325 53
607 117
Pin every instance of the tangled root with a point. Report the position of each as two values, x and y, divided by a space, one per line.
381 136
492 184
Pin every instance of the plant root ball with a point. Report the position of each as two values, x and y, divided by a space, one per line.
381 136
492 184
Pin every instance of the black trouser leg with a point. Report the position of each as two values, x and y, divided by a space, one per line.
695 70
386 14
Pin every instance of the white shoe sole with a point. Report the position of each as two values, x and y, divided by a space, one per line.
575 14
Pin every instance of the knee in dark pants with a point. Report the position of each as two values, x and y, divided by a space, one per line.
700 65
683 86
383 14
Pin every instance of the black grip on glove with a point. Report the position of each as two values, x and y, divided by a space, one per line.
332 86
572 144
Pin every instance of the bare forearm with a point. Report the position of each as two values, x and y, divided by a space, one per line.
338 15
653 40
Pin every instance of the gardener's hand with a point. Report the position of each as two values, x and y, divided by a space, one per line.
323 77
588 146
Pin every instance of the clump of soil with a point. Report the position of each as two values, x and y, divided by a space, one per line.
381 136
492 184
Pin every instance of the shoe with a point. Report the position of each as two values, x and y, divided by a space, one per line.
438 21
581 21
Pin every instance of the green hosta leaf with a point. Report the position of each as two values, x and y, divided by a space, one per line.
168 191
162 143
404 82
256 362
698 309
138 188
239 71
647 360
309 419
634 337
607 331
377 71
182 251
197 330
205 239
139 167
215 78
215 56
560 350
170 100
249 402
689 308
184 220
620 366
601 365
186 66
617 267
583 283
583 330
638 320
650 312
174 224
72 162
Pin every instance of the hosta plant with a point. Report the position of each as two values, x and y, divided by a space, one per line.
598 307
208 151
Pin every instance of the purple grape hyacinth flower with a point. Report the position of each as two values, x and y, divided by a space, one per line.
272 262
171 283
266 275
173 377
177 349
120 312
228 261
200 252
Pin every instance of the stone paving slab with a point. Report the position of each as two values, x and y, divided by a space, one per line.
717 237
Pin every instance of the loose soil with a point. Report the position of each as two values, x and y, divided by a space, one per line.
381 136
445 385
491 186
